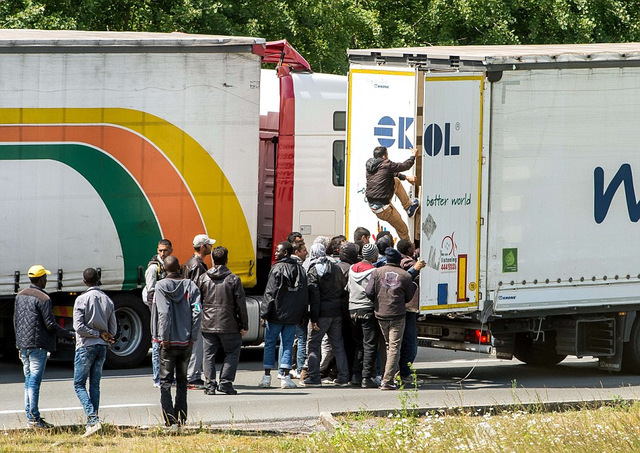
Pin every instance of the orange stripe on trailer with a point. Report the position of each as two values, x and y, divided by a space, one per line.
175 209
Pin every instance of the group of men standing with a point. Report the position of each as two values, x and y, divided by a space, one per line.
195 313
353 290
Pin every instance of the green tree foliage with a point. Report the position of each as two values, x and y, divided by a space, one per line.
322 30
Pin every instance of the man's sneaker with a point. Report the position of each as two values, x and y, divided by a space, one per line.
210 389
328 381
198 384
227 389
265 383
309 383
92 429
304 374
287 383
341 383
411 210
388 387
409 381
157 384
368 383
40 423
174 429
294 374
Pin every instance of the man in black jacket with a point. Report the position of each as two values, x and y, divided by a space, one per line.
36 330
284 306
224 322
383 181
193 269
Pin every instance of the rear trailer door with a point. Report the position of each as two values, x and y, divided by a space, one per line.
380 113
450 196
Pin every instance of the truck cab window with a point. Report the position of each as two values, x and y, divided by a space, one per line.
340 121
338 163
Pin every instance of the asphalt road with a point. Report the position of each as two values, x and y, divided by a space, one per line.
451 380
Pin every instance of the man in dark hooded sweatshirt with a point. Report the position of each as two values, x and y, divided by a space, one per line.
175 325
383 181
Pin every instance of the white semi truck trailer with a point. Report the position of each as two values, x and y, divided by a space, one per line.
527 180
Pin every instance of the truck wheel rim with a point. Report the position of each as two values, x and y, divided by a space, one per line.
130 332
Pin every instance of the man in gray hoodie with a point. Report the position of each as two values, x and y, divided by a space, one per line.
365 329
175 324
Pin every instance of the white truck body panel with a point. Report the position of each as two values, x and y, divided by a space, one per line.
381 113
555 134
188 116
452 153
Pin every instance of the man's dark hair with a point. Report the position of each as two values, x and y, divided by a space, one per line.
287 247
404 246
293 236
385 233
90 276
379 151
171 264
297 246
334 245
220 256
383 243
359 232
166 242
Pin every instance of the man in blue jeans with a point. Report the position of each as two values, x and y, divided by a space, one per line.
94 320
36 330
285 304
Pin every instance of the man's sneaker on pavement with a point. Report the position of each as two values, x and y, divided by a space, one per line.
411 210
174 429
265 383
303 374
409 381
388 387
198 384
156 384
309 383
40 423
92 429
368 383
287 383
294 374
227 389
328 381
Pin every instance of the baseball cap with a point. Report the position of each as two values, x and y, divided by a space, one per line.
37 271
202 239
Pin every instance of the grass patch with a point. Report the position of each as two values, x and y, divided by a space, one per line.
608 428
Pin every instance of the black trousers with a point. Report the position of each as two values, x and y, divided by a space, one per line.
174 362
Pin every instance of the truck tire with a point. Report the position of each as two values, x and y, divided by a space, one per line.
134 332
631 351
542 354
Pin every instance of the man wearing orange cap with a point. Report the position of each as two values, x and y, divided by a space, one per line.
36 330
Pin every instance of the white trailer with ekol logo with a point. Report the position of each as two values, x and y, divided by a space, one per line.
529 213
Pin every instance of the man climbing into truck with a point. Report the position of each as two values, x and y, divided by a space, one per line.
383 181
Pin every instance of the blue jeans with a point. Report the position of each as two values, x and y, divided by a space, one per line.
271 334
34 361
88 364
155 361
301 353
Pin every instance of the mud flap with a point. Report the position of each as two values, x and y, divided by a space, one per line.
614 363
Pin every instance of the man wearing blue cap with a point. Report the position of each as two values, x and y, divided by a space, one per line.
390 288
36 330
